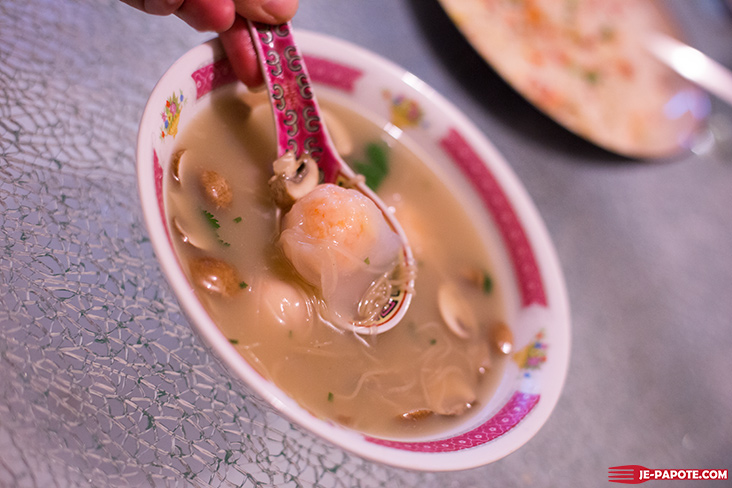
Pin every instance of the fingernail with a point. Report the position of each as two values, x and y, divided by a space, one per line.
280 10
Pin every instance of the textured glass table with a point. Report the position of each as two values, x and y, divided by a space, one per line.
102 382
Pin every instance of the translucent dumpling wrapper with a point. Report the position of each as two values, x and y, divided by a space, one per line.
339 241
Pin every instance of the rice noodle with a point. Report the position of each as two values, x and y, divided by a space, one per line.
440 379
374 375
359 384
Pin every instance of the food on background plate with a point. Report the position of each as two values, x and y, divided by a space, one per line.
270 279
583 63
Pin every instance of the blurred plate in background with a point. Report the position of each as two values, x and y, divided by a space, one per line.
582 62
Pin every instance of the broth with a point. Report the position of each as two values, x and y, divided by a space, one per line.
389 384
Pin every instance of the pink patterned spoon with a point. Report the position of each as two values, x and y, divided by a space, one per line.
299 129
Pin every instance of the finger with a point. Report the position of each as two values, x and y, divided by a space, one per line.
242 54
207 15
155 7
267 11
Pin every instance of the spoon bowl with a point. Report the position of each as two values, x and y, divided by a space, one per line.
299 130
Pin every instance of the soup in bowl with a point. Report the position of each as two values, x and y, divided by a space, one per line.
476 365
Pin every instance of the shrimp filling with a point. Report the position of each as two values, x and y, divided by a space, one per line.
338 240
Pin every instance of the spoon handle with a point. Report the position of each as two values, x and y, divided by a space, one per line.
297 115
299 128
692 64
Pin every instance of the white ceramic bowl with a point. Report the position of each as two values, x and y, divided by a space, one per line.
527 269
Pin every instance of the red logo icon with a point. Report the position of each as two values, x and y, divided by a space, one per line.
630 474
634 474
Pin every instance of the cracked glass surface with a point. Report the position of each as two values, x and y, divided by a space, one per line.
102 381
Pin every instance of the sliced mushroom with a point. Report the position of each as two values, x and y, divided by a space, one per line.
216 189
456 312
419 414
346 420
216 276
482 356
175 165
293 178
449 391
502 338
338 133
186 235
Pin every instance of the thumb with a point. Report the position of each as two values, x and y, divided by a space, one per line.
267 11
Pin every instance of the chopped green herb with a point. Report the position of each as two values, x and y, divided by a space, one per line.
367 261
376 166
213 221
330 396
234 341
243 284
592 77
237 220
433 342
487 283
607 33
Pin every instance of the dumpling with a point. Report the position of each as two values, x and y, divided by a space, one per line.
339 241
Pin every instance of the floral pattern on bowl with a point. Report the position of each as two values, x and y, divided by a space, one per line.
171 115
405 112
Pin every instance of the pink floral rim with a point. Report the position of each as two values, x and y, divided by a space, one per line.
531 289
506 419
524 262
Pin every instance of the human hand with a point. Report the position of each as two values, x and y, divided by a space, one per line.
227 17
